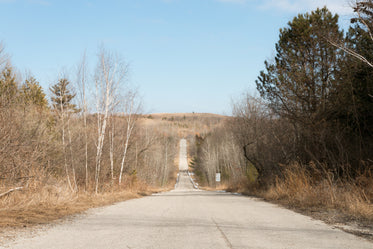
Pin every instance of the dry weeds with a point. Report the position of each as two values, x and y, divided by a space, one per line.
299 189
44 204
345 204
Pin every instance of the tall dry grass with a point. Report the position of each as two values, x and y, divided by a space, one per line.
45 201
305 188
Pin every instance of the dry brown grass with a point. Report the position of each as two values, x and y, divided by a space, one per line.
40 204
218 187
347 204
301 189
183 124
46 211
187 115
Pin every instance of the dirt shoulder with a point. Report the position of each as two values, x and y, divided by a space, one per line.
359 227
337 218
17 220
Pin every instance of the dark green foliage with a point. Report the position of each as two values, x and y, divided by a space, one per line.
325 94
358 76
196 162
364 9
33 94
8 87
298 83
62 96
353 102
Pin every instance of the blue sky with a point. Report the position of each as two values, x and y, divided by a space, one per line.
184 55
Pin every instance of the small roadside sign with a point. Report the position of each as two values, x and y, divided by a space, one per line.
217 177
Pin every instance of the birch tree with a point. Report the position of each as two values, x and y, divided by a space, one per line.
111 142
131 107
110 75
82 85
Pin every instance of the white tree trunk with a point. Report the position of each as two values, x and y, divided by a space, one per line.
130 126
71 155
165 170
64 143
82 71
111 136
129 112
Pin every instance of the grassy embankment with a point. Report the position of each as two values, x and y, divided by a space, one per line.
342 201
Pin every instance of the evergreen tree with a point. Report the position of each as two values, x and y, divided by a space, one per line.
364 20
364 9
32 93
62 96
357 88
353 102
8 87
299 81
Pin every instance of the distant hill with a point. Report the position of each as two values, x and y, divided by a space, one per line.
187 124
187 115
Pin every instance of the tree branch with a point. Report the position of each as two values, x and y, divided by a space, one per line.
10 191
351 52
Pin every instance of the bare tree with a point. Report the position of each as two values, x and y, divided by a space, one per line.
82 85
4 58
131 107
110 75
364 12
111 138
165 169
72 161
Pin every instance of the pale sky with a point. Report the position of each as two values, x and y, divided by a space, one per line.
184 55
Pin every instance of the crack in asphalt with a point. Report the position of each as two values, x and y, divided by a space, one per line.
229 244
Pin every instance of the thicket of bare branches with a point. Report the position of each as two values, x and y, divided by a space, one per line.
89 138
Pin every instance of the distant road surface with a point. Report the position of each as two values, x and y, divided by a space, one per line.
189 218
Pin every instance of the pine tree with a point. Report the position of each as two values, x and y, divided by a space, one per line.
364 9
363 20
62 105
353 102
62 96
298 83
356 92
8 87
32 93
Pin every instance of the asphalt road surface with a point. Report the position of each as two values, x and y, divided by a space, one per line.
190 218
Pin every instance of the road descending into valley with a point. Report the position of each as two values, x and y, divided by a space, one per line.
190 218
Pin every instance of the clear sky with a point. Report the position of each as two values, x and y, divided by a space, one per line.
184 55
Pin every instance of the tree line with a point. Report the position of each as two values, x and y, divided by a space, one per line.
89 135
314 115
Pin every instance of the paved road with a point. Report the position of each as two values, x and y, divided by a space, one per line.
189 218
183 162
